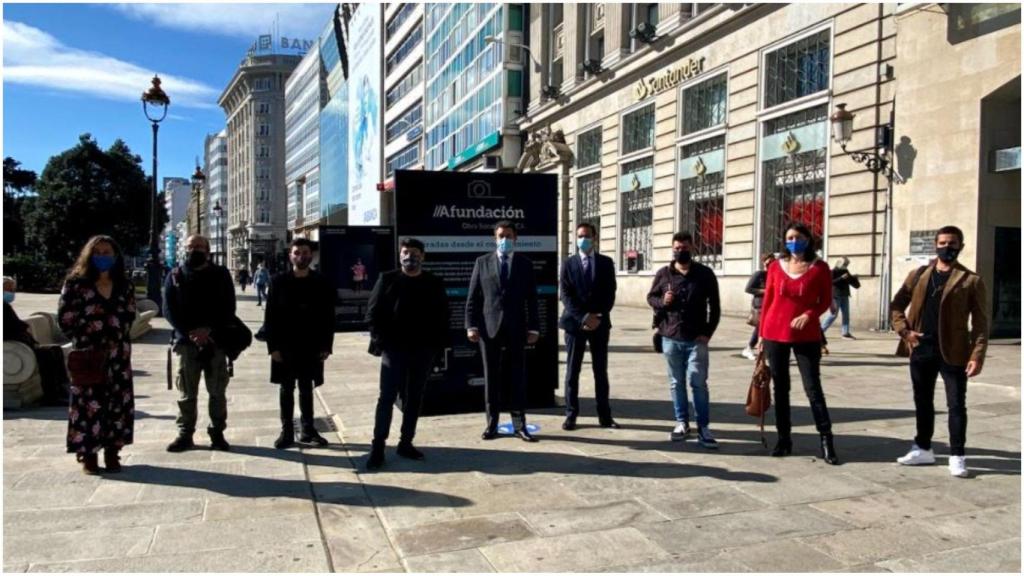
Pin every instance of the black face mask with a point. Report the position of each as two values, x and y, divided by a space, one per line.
947 253
196 258
682 256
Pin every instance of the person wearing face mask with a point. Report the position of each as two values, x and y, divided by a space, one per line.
685 299
96 311
408 319
587 287
299 325
199 303
502 315
798 291
49 357
930 313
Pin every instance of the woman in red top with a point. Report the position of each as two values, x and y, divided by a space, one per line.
798 291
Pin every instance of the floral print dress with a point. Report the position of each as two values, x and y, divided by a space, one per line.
100 416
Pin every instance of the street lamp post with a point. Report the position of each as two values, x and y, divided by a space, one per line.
198 178
877 163
219 211
154 105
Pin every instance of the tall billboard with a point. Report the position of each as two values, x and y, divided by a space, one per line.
453 214
364 116
351 258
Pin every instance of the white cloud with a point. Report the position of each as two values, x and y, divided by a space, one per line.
36 58
236 20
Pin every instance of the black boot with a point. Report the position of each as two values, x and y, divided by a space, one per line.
217 441
311 436
828 450
287 401
287 437
376 459
407 450
783 447
181 443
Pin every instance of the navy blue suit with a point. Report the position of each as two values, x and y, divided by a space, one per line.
582 296
503 312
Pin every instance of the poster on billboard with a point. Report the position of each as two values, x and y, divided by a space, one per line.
364 116
453 214
351 258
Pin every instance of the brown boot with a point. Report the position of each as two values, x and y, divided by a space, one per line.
111 460
90 463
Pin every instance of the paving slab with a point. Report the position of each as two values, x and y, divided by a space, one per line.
1001 556
575 552
461 534
308 557
457 561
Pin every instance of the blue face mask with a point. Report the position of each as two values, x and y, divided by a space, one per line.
584 244
506 245
103 263
8 297
796 246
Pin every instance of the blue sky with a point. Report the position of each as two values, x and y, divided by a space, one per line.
75 68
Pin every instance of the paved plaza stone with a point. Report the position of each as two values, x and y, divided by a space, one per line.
626 500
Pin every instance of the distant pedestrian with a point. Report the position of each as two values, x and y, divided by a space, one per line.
243 277
934 332
755 287
685 299
798 291
199 303
588 293
262 282
408 319
299 323
842 281
96 311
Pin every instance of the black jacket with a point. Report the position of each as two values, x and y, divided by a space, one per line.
425 327
841 286
696 309
299 323
758 280
197 299
491 308
578 300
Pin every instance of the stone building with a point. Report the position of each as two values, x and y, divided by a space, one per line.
714 118
257 193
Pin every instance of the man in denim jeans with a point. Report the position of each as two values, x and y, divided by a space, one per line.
684 297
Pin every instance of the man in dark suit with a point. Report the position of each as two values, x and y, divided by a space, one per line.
587 287
502 315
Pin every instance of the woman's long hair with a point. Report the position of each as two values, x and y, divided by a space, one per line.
84 268
810 254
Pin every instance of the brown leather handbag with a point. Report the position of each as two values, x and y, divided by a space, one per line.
759 395
88 367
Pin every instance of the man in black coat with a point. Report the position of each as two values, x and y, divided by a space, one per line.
408 318
199 303
587 287
299 326
502 315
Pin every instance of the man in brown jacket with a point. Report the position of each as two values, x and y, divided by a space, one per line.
935 334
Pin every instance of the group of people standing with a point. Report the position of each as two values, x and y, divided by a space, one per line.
940 314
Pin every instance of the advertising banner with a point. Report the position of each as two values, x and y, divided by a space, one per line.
453 214
351 258
364 116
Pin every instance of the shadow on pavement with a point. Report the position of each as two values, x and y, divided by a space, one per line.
351 493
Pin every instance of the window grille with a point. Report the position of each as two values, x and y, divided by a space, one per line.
637 212
797 70
793 185
588 200
702 203
588 149
638 130
704 105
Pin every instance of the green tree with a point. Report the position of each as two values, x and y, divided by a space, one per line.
85 191
17 202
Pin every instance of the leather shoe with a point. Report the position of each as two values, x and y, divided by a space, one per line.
609 423
489 434
569 424
525 436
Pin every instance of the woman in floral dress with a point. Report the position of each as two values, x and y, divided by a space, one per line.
97 308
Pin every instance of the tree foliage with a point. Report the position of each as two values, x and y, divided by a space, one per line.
17 202
85 191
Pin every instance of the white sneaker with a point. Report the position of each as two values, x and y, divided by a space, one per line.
748 353
679 432
917 457
958 466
